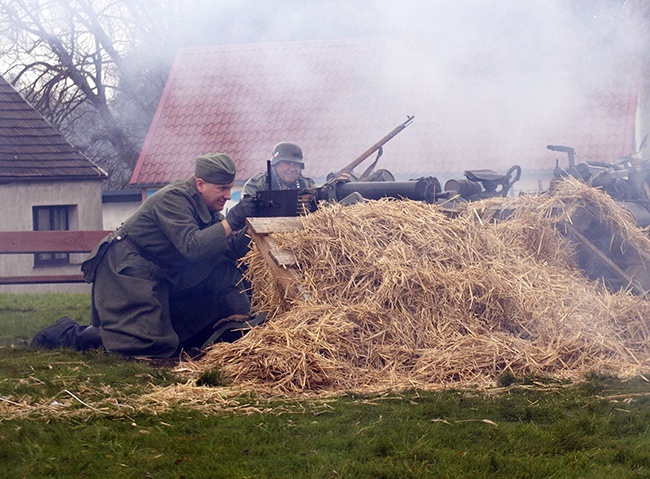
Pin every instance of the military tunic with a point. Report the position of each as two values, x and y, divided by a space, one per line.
260 182
165 277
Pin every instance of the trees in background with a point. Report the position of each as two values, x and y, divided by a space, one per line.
93 68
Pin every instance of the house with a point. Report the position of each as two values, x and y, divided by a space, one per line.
45 184
118 205
338 97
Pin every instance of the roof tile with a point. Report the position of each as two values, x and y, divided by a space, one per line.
30 148
338 97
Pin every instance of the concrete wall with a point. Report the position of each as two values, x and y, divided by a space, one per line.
114 214
17 199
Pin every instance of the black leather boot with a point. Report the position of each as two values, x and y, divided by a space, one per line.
87 337
67 333
60 335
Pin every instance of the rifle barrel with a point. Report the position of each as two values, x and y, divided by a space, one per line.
351 166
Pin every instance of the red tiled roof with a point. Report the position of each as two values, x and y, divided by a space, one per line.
336 98
31 149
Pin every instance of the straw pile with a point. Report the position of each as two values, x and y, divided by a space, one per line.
401 295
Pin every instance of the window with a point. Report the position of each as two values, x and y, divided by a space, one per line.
47 218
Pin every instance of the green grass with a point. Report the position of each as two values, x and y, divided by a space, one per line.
534 428
22 315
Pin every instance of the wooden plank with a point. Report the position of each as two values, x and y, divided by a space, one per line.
65 241
280 224
605 260
640 273
280 261
281 257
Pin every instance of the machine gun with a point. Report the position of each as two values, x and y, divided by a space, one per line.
297 202
294 202
627 182
483 184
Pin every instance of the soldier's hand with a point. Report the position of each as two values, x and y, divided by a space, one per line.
240 243
237 215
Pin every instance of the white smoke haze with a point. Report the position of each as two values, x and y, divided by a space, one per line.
483 77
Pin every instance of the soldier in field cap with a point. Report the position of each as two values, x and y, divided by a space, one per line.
168 275
216 168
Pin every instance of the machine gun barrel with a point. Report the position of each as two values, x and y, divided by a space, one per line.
425 189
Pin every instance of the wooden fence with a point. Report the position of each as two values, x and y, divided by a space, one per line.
32 242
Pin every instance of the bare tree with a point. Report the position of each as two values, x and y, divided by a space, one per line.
76 60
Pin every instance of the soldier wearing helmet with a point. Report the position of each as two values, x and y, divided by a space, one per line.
286 171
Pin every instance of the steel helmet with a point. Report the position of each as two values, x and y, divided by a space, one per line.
287 152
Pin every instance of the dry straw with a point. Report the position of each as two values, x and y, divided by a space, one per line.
401 295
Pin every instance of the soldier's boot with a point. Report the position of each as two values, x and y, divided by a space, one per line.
67 333
60 335
87 337
240 321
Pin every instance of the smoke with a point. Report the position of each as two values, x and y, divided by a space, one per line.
489 82
493 34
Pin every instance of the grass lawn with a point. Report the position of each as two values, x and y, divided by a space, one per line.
67 414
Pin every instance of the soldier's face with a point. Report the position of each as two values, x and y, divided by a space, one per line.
215 196
288 171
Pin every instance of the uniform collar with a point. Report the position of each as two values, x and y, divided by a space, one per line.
279 185
205 215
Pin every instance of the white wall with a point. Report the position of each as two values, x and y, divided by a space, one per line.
114 214
17 200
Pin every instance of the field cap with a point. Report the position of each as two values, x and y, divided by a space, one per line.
216 168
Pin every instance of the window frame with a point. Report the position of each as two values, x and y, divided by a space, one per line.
58 218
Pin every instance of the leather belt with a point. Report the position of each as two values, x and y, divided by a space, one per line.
134 247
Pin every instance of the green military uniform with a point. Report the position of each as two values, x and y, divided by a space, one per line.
166 276
260 182
162 281
283 151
